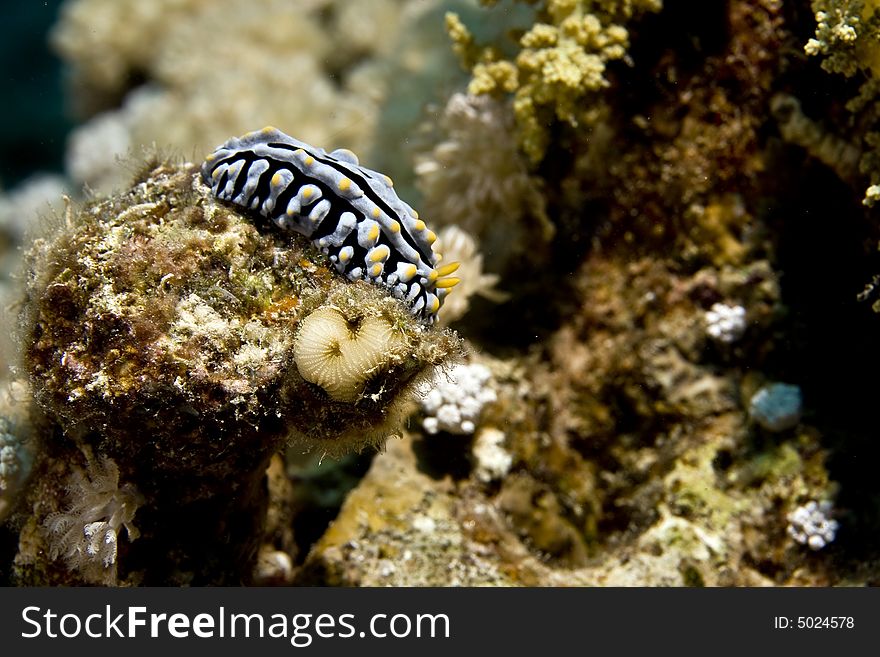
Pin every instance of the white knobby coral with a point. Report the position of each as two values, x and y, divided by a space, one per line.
811 524
453 401
86 534
725 323
492 460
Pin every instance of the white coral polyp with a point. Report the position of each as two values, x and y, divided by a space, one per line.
492 459
725 323
811 524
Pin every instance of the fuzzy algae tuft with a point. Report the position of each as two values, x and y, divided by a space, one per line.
166 330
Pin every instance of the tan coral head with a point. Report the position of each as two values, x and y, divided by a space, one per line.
340 355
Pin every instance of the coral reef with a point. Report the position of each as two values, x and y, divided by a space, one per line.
685 494
168 333
692 166
658 209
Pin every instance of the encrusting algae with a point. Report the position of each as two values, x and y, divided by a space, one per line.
166 331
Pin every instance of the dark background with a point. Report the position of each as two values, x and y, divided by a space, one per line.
32 113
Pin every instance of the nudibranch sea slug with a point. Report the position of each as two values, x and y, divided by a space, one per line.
349 212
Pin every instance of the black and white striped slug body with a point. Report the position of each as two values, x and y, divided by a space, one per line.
349 212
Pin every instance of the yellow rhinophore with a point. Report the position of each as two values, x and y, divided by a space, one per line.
445 270
447 282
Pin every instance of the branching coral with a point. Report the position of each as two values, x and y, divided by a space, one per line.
847 34
561 61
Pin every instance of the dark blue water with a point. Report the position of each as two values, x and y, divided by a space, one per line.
33 124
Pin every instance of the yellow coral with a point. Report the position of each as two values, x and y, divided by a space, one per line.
562 59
